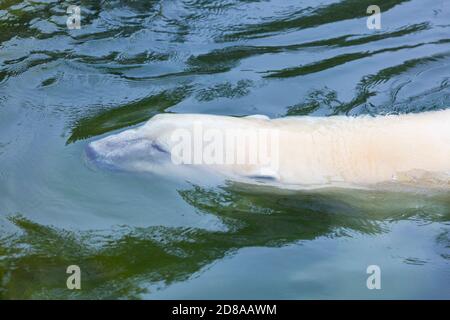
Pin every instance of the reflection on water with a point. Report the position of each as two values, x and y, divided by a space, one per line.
121 262
130 60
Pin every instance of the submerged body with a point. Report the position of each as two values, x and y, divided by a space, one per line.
310 151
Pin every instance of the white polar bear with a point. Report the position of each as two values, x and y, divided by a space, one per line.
302 151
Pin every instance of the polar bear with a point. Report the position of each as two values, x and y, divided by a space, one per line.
297 151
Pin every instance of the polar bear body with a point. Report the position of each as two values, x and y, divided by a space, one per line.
311 151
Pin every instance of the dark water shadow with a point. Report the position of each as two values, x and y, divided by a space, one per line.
223 60
124 261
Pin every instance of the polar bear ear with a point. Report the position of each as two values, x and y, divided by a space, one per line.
258 116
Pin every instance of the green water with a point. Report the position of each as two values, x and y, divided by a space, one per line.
152 236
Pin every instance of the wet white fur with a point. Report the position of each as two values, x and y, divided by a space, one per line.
320 151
